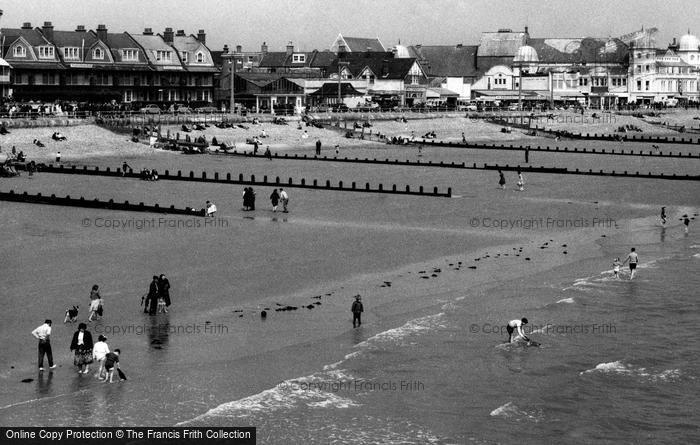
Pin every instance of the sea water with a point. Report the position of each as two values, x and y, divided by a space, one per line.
617 362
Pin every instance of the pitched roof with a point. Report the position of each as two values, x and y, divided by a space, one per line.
384 65
580 50
313 59
73 39
32 36
444 60
151 42
118 41
330 89
360 44
500 44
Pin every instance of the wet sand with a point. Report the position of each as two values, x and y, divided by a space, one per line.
402 254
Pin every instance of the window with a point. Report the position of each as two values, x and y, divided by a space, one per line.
128 96
200 57
48 79
646 85
71 53
639 85
98 54
19 51
184 55
298 58
46 52
130 55
163 56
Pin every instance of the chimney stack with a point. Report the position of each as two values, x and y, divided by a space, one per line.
239 49
202 37
263 48
47 30
290 48
27 25
180 33
225 48
168 35
102 32
148 31
80 28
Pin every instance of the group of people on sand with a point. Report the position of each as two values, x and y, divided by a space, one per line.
157 299
520 183
84 351
276 198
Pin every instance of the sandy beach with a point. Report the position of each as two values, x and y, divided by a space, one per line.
407 256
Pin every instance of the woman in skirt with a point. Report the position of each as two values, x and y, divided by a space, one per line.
82 346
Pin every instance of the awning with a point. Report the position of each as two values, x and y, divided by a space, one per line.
440 92
509 95
37 66
202 69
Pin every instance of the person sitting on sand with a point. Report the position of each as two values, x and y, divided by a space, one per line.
305 135
210 209
516 324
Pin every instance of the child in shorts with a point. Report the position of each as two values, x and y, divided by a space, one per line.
111 360
616 268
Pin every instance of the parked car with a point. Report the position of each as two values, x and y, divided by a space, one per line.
339 108
467 107
179 109
150 109
513 107
207 109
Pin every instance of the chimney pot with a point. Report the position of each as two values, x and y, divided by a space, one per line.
47 30
102 32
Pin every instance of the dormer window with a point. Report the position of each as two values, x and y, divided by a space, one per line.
184 55
130 55
200 57
46 52
163 56
98 54
19 51
298 58
71 53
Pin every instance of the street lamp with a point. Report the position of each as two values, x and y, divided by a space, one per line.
232 73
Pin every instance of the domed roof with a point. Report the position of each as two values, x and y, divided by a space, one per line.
688 43
401 52
526 54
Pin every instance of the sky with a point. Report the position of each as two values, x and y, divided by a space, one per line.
314 24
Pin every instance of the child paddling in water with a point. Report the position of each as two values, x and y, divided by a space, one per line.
616 268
